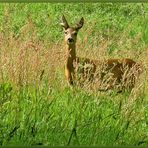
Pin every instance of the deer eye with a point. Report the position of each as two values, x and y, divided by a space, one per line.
75 33
65 32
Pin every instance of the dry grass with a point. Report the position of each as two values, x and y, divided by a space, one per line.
49 111
26 60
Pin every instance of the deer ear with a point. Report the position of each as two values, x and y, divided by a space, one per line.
64 22
80 24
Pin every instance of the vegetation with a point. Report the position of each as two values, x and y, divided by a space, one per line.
36 105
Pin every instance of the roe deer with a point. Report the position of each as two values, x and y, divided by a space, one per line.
117 67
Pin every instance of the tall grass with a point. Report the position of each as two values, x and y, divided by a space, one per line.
36 105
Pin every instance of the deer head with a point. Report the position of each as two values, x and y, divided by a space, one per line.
71 32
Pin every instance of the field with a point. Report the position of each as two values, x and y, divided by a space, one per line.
37 107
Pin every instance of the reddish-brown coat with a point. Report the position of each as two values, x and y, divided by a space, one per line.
114 66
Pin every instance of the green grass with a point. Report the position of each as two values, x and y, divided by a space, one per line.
37 109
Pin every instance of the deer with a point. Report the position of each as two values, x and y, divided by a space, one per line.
117 67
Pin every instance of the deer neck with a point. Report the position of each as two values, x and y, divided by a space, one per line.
71 57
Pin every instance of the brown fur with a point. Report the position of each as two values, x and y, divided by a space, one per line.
117 67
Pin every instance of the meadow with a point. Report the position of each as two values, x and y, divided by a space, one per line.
37 107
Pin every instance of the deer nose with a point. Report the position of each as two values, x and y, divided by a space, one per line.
70 40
